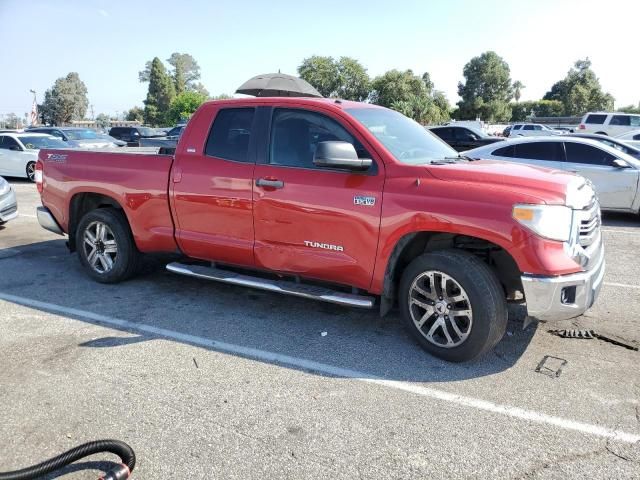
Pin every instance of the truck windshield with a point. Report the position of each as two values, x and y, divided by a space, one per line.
408 141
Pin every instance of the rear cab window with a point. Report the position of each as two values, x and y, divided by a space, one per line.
230 135
621 120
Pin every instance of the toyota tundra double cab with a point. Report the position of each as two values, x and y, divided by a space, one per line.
342 202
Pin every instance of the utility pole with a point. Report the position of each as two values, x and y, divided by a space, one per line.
92 117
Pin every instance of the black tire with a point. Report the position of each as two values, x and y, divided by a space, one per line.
125 262
31 171
486 300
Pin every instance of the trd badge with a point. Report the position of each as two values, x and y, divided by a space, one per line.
364 201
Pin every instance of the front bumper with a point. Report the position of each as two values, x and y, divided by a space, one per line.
564 296
8 206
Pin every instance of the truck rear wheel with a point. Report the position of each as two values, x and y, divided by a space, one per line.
453 304
106 247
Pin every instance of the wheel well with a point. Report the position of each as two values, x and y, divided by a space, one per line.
601 133
414 244
80 205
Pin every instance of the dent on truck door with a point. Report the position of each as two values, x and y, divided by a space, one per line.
212 190
309 221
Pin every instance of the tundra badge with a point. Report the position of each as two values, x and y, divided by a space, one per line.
365 201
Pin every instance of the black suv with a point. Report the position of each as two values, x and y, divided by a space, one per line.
463 138
132 135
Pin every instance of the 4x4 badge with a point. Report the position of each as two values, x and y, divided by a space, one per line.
366 201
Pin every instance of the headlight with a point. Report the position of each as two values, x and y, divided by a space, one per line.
548 221
4 187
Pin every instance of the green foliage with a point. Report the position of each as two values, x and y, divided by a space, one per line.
222 96
65 101
11 120
487 89
407 93
580 91
161 93
345 78
537 108
630 109
353 80
103 120
321 73
183 106
136 114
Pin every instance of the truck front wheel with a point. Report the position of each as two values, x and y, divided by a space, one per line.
453 304
106 247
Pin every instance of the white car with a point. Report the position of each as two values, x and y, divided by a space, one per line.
609 123
19 152
531 130
8 203
614 174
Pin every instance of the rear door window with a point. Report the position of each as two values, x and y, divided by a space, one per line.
634 120
549 151
587 154
595 119
465 135
527 127
230 135
508 151
444 133
621 120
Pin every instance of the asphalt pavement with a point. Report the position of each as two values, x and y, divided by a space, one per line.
206 380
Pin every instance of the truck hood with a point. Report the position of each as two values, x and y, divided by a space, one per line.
549 186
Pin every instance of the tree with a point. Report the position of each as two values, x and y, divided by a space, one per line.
580 91
322 73
487 89
407 93
353 80
65 101
426 78
136 114
11 121
630 109
161 93
521 111
185 71
183 106
517 89
103 120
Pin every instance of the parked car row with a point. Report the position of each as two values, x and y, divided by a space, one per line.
613 169
19 152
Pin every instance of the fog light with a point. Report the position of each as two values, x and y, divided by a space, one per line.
568 295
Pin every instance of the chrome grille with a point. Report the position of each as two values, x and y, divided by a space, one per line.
589 228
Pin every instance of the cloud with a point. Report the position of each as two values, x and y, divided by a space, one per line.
104 13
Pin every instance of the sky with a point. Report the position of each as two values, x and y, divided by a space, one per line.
108 42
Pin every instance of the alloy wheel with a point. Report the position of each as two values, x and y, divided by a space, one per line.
440 309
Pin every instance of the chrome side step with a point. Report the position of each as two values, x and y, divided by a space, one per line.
278 286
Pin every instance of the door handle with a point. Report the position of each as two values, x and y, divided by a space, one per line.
573 171
269 183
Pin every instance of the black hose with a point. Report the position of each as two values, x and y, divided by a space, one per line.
121 449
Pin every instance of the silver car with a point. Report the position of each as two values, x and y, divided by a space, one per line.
8 203
614 174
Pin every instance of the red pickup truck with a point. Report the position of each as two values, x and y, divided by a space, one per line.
339 201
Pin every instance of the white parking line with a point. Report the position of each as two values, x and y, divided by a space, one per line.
623 285
310 365
25 215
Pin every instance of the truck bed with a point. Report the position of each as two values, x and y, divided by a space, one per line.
137 181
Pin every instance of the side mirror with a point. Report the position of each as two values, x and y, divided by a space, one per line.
335 154
620 163
15 148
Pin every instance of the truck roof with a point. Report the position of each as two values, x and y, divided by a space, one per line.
331 102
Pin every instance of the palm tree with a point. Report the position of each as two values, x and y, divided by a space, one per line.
517 89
